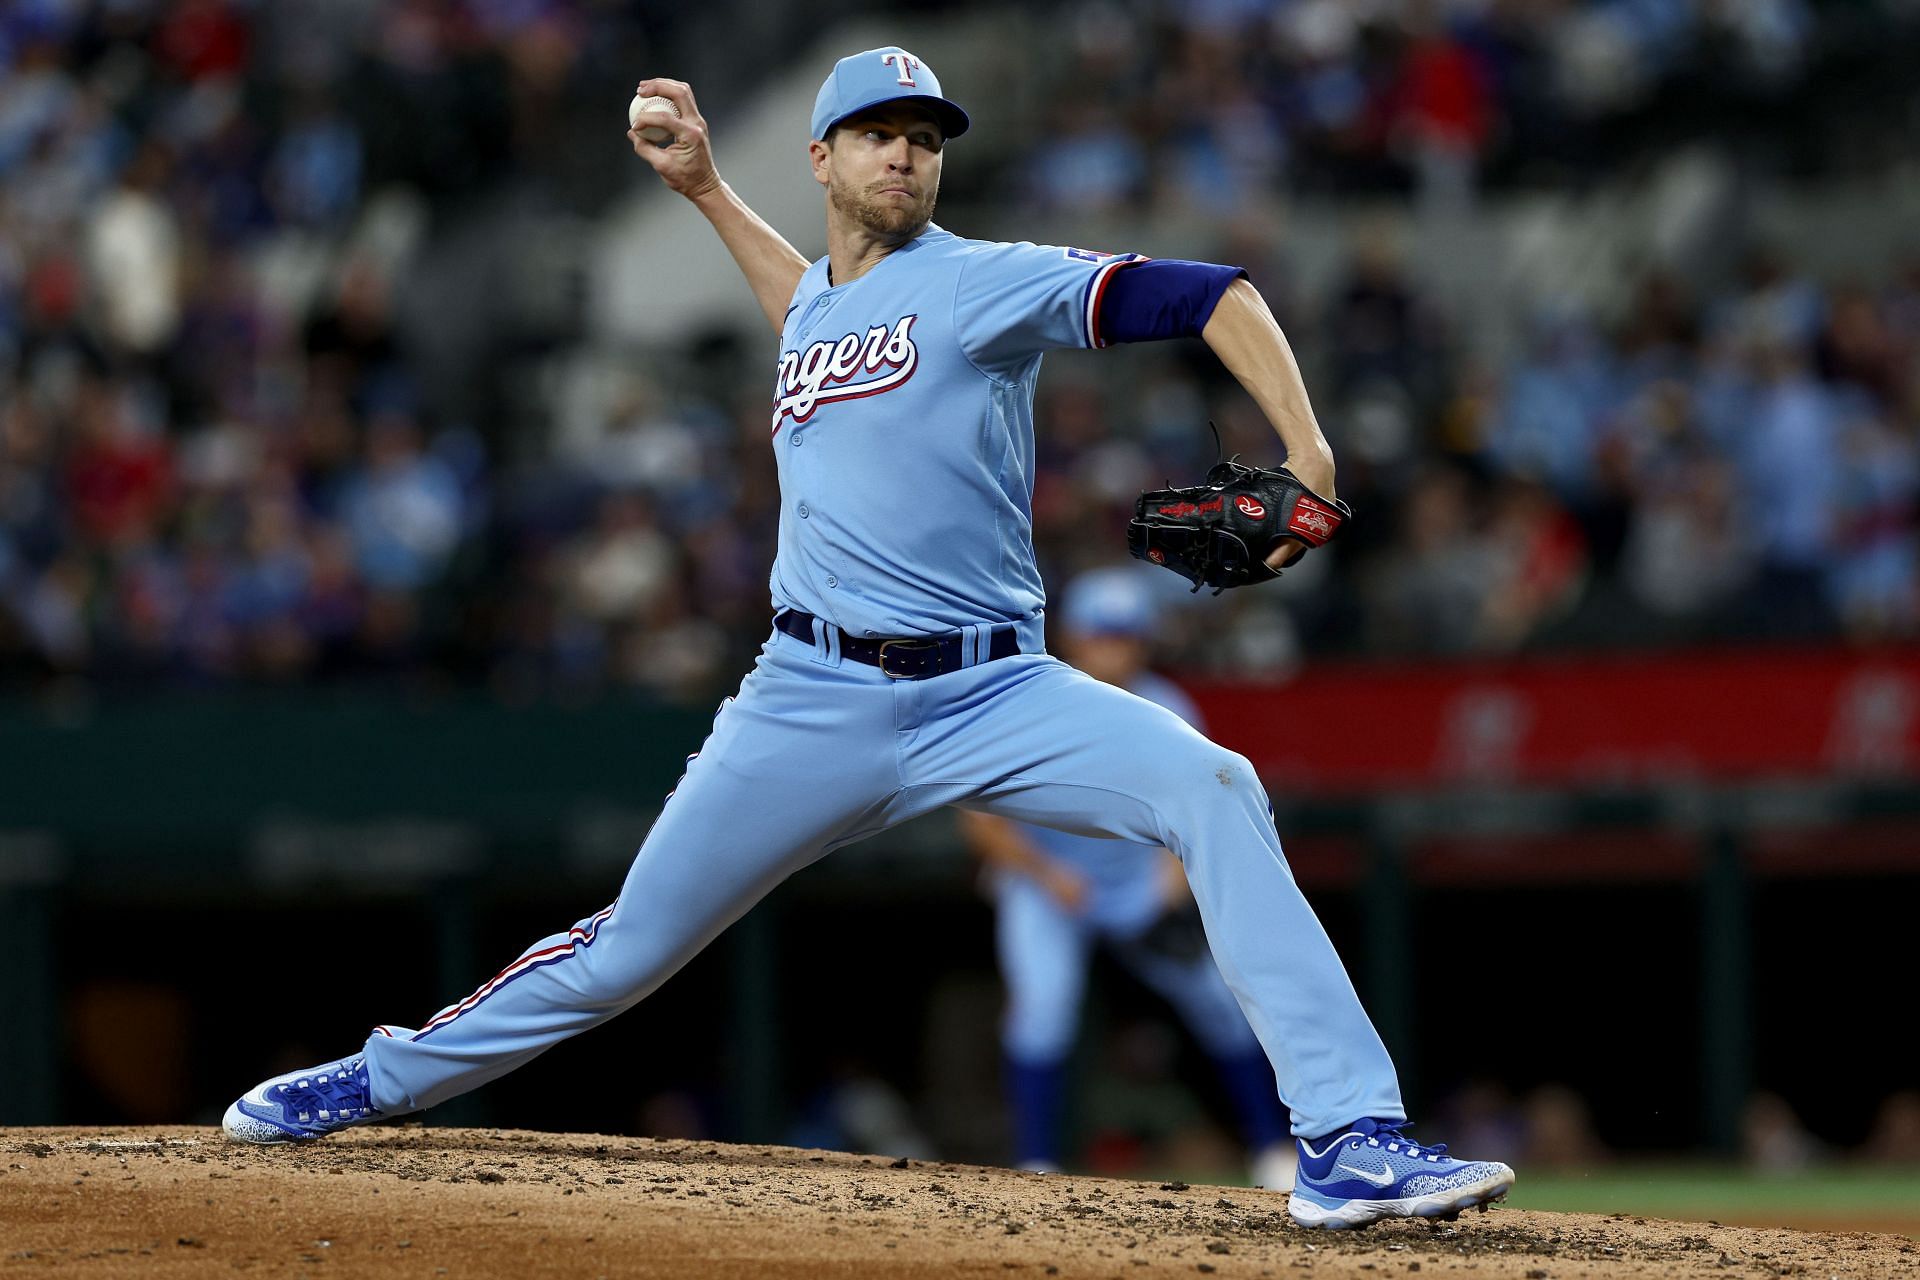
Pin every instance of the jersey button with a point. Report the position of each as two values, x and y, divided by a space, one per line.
832 581
797 437
804 513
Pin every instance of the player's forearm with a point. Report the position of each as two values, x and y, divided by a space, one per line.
772 266
1246 337
998 843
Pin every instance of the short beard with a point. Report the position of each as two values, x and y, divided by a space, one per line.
889 221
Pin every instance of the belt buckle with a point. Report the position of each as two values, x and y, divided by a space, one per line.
906 644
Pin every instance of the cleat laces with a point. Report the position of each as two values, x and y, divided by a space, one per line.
1395 1140
325 1096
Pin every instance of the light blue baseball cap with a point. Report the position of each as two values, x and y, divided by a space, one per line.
1108 602
882 75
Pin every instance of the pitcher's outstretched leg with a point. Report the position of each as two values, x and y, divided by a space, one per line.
796 765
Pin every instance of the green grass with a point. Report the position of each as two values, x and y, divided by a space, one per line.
1702 1192
1834 1198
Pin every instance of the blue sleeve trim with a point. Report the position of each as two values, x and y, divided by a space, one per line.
1160 298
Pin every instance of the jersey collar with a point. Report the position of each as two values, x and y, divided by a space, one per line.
933 233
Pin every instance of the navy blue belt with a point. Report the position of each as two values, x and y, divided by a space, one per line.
905 657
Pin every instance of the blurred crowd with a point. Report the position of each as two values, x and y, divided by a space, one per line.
1741 467
1221 102
217 456
218 461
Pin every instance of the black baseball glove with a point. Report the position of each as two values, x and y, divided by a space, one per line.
1220 533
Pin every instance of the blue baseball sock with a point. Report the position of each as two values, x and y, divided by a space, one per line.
1249 1082
1037 1092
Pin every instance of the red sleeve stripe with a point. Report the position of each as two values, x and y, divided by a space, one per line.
1098 291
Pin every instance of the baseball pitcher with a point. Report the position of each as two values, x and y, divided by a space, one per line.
905 667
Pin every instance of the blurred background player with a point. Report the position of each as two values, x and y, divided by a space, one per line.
1056 895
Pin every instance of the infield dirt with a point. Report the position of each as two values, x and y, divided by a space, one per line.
425 1202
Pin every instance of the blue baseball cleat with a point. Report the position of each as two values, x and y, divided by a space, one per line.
303 1105
1372 1172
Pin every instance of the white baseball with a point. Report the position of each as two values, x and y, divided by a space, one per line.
653 133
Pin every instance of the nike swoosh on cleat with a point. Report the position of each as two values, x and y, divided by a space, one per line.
1381 1179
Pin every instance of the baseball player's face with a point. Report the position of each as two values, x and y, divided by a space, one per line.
882 172
1113 657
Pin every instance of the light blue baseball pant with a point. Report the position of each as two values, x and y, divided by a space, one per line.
1045 952
815 753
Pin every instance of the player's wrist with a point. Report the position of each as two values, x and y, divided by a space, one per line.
711 196
1312 462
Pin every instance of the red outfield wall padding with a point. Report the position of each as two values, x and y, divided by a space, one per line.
1712 716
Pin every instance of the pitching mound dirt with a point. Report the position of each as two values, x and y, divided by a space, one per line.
423 1202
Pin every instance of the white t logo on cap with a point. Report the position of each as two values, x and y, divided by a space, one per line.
905 63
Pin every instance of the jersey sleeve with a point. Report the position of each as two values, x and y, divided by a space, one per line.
1015 301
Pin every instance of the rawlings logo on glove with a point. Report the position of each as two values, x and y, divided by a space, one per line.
1213 542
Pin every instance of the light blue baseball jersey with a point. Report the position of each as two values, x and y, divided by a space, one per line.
903 426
